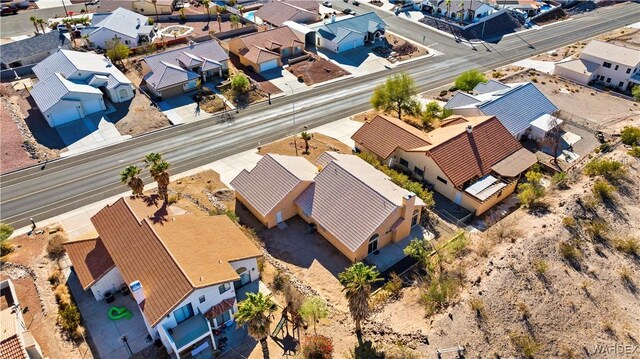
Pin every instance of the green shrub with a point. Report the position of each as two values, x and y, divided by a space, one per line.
240 83
597 229
5 231
603 191
541 267
560 180
440 293
569 222
531 191
68 318
630 136
279 281
568 251
634 152
55 248
628 245
477 306
317 347
469 79
394 286
525 345
232 216
635 92
609 169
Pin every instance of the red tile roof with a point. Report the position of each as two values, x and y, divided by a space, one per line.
90 259
12 348
383 135
469 155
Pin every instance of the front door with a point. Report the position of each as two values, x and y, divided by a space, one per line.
279 217
245 277
373 244
458 198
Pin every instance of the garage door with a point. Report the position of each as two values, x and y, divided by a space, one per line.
64 115
92 106
271 64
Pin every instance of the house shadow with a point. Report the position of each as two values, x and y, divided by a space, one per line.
121 110
42 133
355 57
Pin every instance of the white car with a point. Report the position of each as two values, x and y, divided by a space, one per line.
327 4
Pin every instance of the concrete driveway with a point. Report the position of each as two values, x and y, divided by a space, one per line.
360 61
283 79
181 109
88 133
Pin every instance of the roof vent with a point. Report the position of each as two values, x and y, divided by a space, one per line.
109 63
201 278
333 18
138 20
469 128
191 43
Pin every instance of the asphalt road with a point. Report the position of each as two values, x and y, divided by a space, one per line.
19 24
70 183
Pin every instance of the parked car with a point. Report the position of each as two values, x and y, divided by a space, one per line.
356 3
348 11
327 4
9 10
93 2
62 28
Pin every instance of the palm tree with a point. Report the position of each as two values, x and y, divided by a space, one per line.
219 23
357 281
306 137
206 4
241 9
155 6
234 21
129 176
314 309
41 22
151 159
462 9
158 169
67 23
448 3
34 20
256 312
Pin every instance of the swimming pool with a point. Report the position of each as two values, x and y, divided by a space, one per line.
545 7
250 15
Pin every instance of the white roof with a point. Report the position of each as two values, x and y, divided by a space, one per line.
613 53
485 187
544 122
122 21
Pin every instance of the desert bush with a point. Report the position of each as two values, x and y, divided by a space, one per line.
569 222
55 277
55 248
240 83
635 92
612 170
400 352
232 215
477 306
469 79
79 333
560 180
541 267
628 245
625 275
440 293
524 310
317 347
366 351
174 198
597 229
634 152
525 345
68 318
532 190
458 245
630 135
394 286
569 251
507 228
484 248
5 232
279 281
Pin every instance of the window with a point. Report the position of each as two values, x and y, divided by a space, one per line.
414 218
616 69
201 299
223 318
628 71
224 287
620 84
404 162
373 244
608 79
127 42
606 64
183 313
123 93
441 179
418 171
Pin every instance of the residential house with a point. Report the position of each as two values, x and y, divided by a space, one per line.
173 72
72 85
605 63
351 204
515 105
265 50
526 7
16 341
182 270
339 35
473 161
276 12
32 50
464 10
128 27
145 7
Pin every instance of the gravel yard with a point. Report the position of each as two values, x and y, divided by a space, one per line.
318 144
14 154
137 116
317 70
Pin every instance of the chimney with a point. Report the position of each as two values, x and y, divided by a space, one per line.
408 203
137 291
109 63
191 43
138 19
333 18
469 128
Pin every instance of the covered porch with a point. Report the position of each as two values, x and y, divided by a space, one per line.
191 338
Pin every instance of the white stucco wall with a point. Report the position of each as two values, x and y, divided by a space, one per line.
616 76
101 36
114 94
109 282
252 266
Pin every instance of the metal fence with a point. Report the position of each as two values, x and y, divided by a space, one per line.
15 72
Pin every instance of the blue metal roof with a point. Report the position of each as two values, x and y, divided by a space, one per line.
518 107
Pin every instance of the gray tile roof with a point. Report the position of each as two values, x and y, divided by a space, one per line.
209 54
362 24
461 99
122 21
51 90
351 199
273 177
518 107
489 86
18 50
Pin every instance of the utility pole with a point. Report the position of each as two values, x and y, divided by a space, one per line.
65 8
293 114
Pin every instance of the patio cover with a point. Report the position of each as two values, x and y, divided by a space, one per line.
220 308
515 163
570 138
485 187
